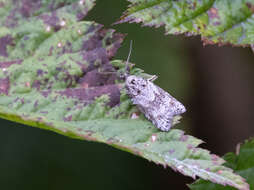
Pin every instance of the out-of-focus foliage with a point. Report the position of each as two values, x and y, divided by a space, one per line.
242 162
217 21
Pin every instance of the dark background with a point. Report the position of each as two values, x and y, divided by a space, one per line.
214 83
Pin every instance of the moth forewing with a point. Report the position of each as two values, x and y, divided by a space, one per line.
156 104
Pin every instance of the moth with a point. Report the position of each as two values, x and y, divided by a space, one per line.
157 105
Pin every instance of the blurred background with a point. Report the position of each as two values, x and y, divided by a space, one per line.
214 83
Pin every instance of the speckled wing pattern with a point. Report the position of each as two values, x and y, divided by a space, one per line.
162 110
157 105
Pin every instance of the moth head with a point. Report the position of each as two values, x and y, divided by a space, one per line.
135 85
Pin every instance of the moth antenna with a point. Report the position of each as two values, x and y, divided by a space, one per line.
127 69
129 55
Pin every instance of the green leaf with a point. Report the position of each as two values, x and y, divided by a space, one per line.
217 21
242 162
57 73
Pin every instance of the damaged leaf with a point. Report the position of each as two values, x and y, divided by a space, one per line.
217 21
57 73
242 162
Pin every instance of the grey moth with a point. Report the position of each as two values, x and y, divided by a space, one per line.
157 105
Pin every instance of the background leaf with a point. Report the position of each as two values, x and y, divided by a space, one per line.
241 162
217 21
57 74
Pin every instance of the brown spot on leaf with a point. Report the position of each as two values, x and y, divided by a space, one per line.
171 151
6 64
51 51
29 7
84 85
36 104
45 93
250 6
4 42
88 135
1 4
221 42
39 72
112 140
116 40
4 86
98 56
44 112
69 118
39 119
89 132
82 65
215 159
51 20
96 78
213 13
95 41
36 84
184 138
89 94
216 23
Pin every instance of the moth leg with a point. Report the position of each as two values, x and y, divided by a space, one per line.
153 78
